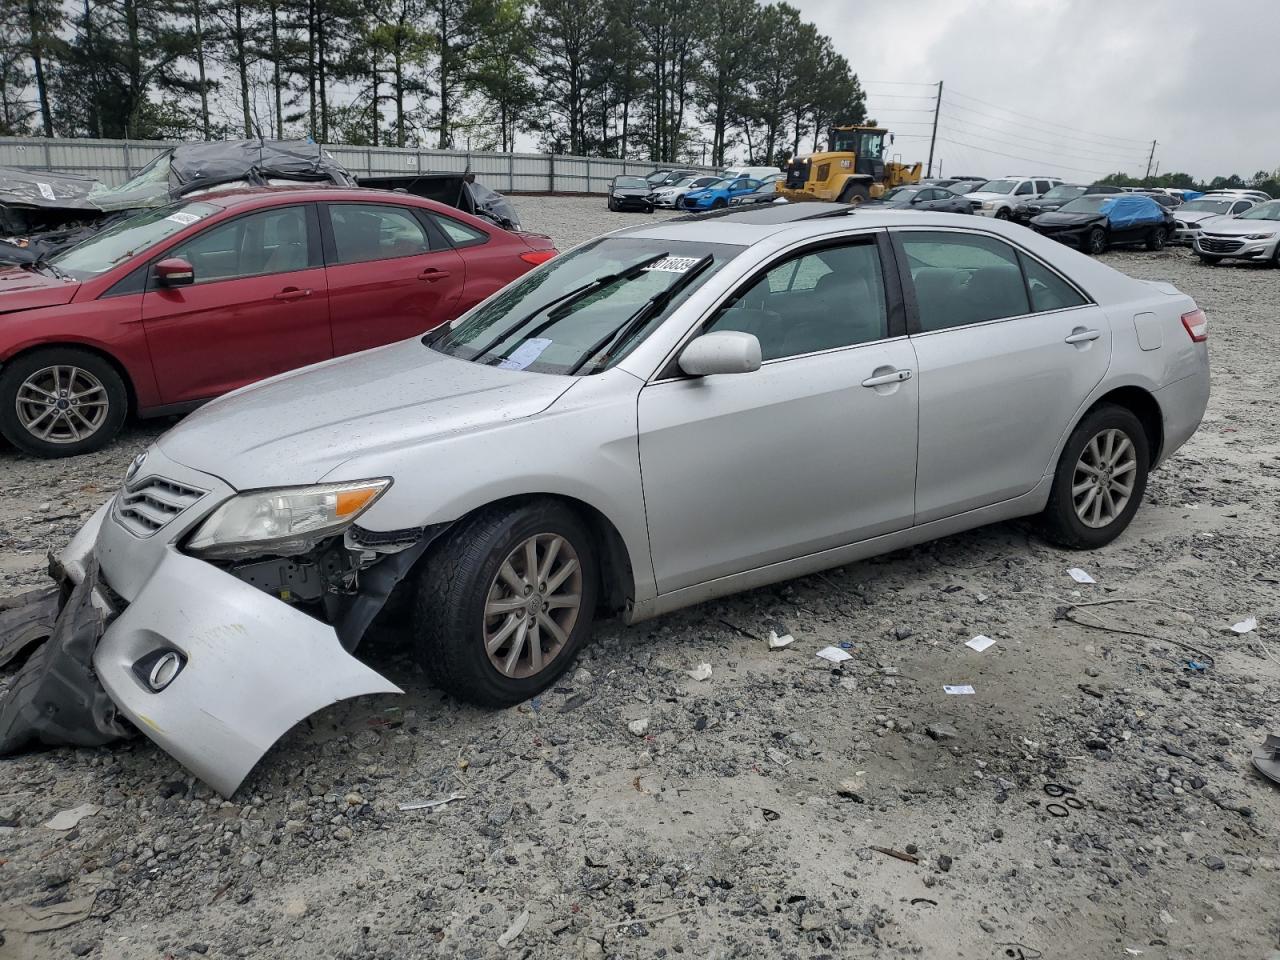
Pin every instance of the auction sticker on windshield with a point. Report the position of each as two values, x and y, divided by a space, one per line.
525 354
186 219
674 264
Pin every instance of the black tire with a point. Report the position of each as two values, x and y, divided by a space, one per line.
451 593
1209 260
719 203
612 206
855 193
1095 242
1003 214
1059 521
1157 238
15 374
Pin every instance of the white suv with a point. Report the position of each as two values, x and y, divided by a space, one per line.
997 198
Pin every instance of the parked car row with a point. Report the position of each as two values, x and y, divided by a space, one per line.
181 303
683 189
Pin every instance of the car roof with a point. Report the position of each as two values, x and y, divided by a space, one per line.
243 196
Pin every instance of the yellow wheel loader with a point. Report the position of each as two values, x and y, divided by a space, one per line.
851 170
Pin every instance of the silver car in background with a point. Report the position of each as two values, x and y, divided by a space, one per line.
1194 215
1252 235
669 196
659 417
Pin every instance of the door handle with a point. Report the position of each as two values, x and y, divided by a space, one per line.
896 376
1080 335
292 293
431 274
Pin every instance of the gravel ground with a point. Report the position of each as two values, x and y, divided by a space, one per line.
634 811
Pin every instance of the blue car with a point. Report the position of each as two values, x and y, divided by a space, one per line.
718 194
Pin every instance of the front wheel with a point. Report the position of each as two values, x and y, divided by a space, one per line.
1095 242
612 206
505 602
1002 214
855 193
1100 480
1156 239
719 204
61 401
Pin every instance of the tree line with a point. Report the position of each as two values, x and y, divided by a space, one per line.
653 79
1268 181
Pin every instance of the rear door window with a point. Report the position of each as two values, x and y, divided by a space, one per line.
363 232
962 278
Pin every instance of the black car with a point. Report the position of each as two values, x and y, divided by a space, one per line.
630 193
1166 200
658 176
1054 199
917 197
1095 222
765 193
674 176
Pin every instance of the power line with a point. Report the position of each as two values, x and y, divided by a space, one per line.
1010 156
1046 128
901 83
1028 116
1035 145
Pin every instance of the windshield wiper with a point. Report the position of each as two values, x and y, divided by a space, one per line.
564 303
42 263
625 330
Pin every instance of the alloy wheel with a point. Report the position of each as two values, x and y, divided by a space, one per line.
1102 483
62 404
532 605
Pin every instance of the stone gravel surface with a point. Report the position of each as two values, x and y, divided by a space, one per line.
634 811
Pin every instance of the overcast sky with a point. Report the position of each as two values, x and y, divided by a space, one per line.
1200 77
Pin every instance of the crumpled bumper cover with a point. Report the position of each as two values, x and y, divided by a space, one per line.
253 666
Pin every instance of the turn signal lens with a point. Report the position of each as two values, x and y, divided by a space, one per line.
537 256
1197 325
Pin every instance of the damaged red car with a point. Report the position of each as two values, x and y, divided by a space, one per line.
179 304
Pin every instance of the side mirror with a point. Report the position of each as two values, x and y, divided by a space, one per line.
724 351
915 198
175 272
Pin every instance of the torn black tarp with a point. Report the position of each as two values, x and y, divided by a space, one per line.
452 189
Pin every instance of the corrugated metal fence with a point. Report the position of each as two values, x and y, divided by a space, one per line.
115 161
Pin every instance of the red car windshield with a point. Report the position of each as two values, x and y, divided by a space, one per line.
122 241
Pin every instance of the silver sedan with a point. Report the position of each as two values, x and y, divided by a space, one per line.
662 416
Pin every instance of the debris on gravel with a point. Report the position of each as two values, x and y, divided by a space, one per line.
634 810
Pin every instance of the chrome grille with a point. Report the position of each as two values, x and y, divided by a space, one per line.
1219 244
149 504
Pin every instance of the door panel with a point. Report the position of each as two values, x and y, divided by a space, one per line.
255 310
389 277
998 385
747 470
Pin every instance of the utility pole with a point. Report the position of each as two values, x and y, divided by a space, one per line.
1151 156
937 108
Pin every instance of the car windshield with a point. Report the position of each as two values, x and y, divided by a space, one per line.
630 182
964 186
686 182
902 193
721 184
560 317
120 242
657 176
1207 206
1063 192
1263 211
1090 204
997 186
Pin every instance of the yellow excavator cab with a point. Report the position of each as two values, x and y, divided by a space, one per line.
852 169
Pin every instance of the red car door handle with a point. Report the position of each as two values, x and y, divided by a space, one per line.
431 275
292 293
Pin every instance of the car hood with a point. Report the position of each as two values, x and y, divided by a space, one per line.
299 426
631 191
1060 219
27 289
1198 216
987 196
1234 227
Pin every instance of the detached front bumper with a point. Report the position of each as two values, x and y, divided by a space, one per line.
249 665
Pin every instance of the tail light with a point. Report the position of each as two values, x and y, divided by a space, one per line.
542 256
1197 325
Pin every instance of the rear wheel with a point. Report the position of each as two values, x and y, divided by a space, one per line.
60 402
1095 241
1157 238
1100 480
505 603
855 193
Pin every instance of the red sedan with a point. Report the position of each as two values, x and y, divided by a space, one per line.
179 304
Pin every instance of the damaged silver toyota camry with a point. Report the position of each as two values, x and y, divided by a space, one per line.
661 416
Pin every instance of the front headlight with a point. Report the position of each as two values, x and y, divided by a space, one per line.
1260 236
283 521
617 196
988 204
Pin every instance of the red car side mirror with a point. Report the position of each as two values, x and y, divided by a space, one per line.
175 272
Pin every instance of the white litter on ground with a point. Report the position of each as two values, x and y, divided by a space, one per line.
979 643
1246 626
834 654
1079 576
960 689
